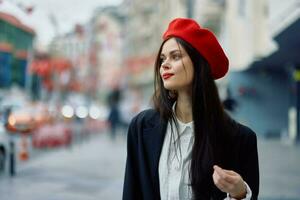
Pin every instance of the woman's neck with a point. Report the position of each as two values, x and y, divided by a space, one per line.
183 109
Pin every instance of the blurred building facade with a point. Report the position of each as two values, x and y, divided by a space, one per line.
95 50
74 47
144 25
16 43
210 14
260 39
107 44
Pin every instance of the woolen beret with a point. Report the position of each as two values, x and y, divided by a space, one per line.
203 40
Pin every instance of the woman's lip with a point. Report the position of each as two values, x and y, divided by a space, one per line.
166 76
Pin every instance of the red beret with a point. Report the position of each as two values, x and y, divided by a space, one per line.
203 40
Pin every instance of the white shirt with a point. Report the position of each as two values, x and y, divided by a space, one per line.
174 170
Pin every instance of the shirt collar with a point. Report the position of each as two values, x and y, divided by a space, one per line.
181 125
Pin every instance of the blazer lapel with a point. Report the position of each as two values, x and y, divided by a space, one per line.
153 139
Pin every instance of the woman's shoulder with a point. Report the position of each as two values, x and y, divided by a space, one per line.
243 139
146 114
146 117
243 131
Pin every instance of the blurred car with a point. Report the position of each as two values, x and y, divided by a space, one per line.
28 118
52 135
20 121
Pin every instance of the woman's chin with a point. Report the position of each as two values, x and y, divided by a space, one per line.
169 86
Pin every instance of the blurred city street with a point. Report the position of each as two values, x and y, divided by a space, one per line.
95 169
87 171
279 170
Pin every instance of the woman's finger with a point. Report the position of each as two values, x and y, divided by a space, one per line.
228 175
219 182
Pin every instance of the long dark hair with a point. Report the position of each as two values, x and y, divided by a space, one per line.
212 126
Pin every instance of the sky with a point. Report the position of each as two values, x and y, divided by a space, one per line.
66 12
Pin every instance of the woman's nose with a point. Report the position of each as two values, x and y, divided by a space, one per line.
165 66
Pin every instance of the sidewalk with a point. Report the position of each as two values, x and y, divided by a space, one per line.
91 170
279 170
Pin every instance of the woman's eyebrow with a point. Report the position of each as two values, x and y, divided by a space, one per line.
171 52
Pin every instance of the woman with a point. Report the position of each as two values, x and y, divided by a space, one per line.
187 147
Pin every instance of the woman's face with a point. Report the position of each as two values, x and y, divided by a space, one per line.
176 70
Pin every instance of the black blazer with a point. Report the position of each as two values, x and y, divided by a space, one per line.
144 143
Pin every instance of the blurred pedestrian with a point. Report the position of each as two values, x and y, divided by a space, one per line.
114 113
187 147
230 103
6 113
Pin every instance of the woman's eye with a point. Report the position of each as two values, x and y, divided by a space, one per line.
176 57
161 60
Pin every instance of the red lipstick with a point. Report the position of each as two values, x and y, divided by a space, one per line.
167 75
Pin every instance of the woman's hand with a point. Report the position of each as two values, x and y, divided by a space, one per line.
230 182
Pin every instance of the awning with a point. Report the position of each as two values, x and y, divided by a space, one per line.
61 64
6 47
45 67
16 22
21 54
41 67
288 52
